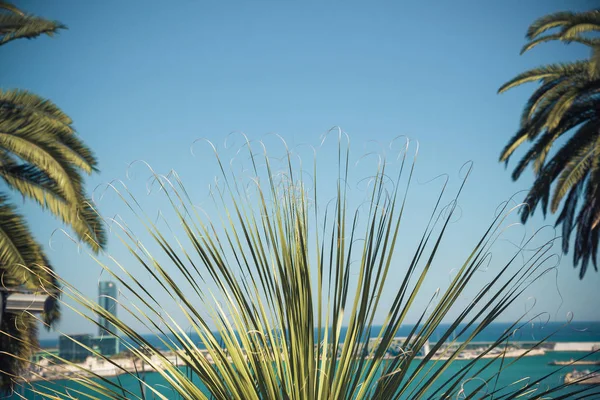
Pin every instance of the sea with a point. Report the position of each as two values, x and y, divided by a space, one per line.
527 369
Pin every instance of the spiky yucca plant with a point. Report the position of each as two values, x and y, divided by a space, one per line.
268 280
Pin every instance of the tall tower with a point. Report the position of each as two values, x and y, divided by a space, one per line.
107 299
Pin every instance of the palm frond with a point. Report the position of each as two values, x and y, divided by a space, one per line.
33 104
590 42
37 132
548 22
540 191
36 147
542 92
36 185
586 242
581 27
43 114
576 170
4 5
30 182
546 72
561 106
538 152
567 216
526 132
18 248
16 26
594 69
559 99
572 23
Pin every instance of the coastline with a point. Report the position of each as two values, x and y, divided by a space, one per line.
97 366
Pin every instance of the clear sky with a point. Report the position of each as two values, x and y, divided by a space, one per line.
142 80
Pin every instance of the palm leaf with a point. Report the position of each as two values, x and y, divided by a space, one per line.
43 114
16 26
595 63
561 106
548 22
4 5
576 29
524 134
30 182
561 97
18 249
575 171
547 72
540 191
591 42
572 23
542 92
543 147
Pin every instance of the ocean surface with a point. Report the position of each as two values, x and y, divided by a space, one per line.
561 332
522 371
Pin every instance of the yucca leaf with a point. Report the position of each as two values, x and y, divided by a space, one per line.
249 278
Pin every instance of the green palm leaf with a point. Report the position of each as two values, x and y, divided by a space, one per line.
45 114
575 171
591 42
572 23
16 26
37 150
4 5
18 249
547 73
540 150
548 22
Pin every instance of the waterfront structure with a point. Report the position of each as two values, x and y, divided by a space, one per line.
399 346
107 299
77 348
73 347
106 345
107 342
47 353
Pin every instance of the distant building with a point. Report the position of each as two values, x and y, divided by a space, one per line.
77 348
107 299
49 353
106 345
72 348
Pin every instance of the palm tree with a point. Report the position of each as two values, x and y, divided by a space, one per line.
41 158
565 106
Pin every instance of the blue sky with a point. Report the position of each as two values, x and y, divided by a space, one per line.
143 80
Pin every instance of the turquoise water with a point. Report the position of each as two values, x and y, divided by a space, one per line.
529 367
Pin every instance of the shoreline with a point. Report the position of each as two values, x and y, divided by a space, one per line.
122 365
